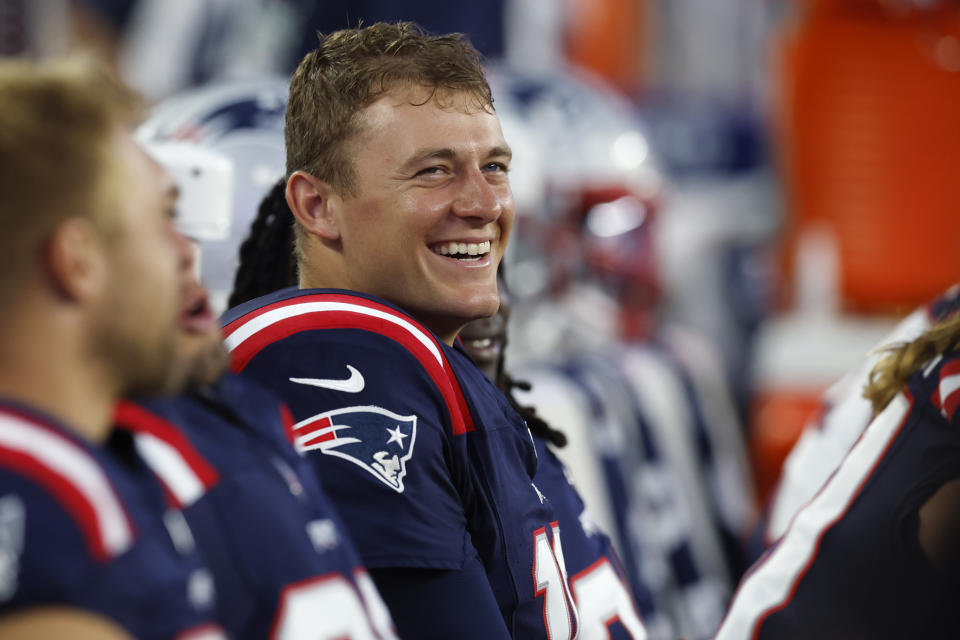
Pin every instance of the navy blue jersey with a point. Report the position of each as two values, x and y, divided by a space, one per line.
88 527
597 578
842 416
281 560
427 462
850 564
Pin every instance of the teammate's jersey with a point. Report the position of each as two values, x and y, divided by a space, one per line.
842 417
667 540
281 560
597 579
850 565
87 527
427 462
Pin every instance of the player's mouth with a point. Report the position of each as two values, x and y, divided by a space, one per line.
484 339
462 251
483 350
196 315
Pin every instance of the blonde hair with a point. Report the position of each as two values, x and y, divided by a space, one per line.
57 122
893 371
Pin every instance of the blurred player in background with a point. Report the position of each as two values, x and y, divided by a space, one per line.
658 452
236 130
281 559
398 182
843 415
90 300
873 554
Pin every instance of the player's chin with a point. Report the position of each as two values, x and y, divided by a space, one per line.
482 302
459 303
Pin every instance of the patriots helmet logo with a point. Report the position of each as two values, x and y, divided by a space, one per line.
378 440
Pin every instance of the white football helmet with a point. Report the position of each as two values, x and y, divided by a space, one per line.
193 134
597 183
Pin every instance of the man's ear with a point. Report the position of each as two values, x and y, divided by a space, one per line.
313 203
75 260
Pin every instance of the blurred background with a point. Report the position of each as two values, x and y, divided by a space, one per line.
737 197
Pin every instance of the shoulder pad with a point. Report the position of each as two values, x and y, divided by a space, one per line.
72 476
250 333
184 473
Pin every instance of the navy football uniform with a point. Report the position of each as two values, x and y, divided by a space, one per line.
842 416
597 578
88 527
281 560
850 564
427 462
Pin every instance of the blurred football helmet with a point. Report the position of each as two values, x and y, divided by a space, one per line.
242 124
205 180
599 185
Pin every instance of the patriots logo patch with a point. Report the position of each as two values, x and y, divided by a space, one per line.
373 438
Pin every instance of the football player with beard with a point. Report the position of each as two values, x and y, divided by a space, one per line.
88 546
281 559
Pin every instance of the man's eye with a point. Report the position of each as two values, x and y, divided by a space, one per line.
429 171
496 166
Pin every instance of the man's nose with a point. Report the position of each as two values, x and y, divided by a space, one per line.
478 198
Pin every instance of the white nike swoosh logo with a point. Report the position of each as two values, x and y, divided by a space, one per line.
353 384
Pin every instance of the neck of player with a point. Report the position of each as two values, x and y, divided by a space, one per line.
44 371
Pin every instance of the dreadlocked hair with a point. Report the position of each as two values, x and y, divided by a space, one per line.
267 261
538 426
894 370
506 383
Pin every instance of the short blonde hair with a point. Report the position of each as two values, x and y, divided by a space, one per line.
57 125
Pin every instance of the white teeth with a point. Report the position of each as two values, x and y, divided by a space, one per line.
463 248
482 343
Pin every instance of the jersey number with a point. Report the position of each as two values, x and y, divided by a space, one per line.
550 579
602 599
331 608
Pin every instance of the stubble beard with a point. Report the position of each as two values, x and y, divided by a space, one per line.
143 367
207 366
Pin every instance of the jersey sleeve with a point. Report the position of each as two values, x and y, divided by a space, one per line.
858 534
376 428
44 557
450 613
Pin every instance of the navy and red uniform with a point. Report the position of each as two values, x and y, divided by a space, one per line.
87 526
429 466
850 564
597 578
281 560
842 416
